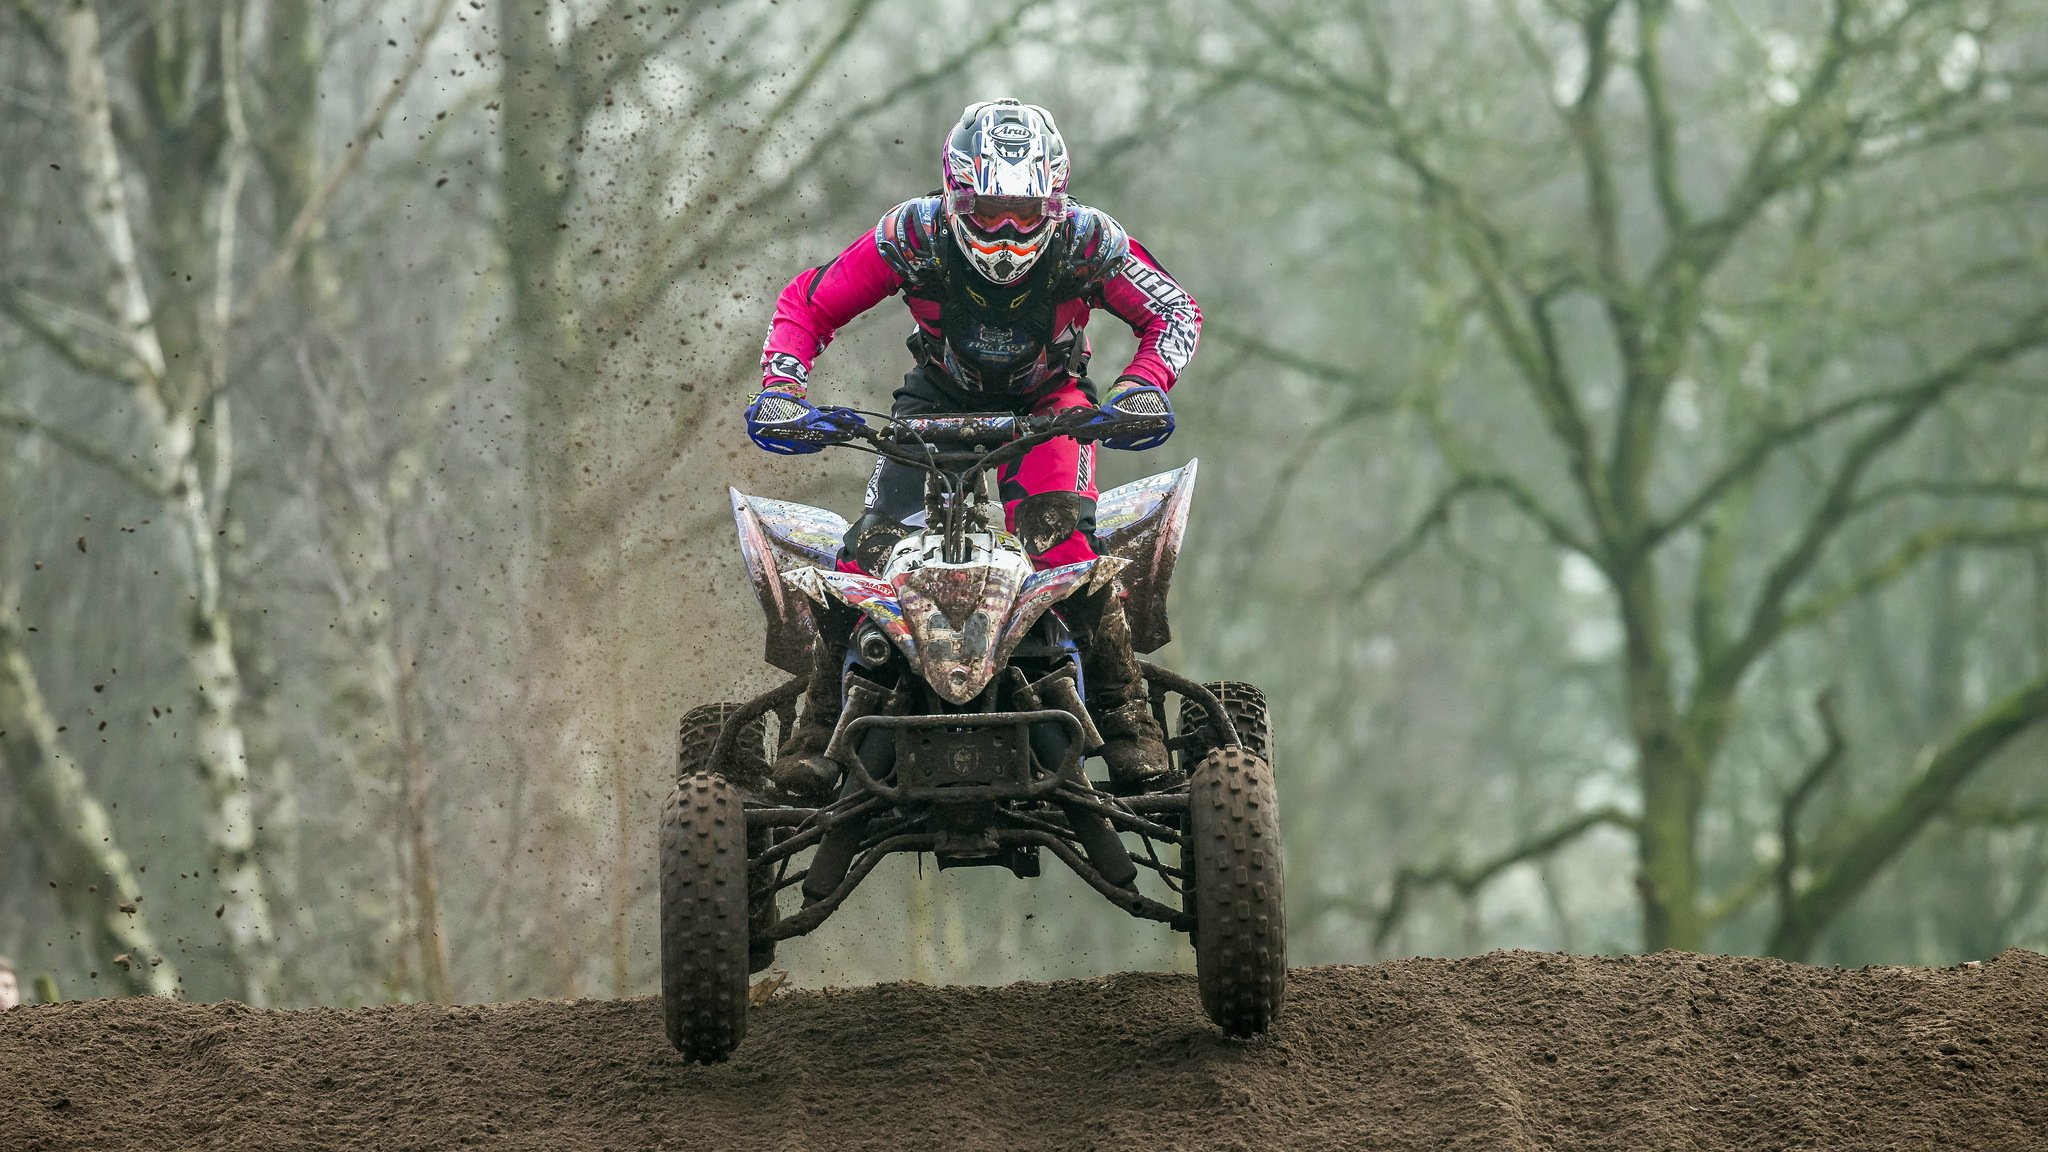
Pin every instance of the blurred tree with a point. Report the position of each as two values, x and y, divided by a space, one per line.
1620 297
177 133
645 159
69 827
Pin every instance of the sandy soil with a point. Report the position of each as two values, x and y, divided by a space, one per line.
1501 1052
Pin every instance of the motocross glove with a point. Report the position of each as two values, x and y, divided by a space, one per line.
786 424
1140 409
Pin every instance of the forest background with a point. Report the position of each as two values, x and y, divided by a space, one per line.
1624 429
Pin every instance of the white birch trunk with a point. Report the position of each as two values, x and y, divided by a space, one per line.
72 835
172 417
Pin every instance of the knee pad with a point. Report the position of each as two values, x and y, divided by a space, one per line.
1044 520
868 541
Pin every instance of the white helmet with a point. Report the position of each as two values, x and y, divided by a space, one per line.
1006 185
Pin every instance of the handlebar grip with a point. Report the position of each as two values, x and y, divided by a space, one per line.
968 429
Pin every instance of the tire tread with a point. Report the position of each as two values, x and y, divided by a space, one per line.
1239 883
704 917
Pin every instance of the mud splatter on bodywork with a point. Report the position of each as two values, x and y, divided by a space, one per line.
1047 588
957 613
958 623
1143 522
777 537
874 598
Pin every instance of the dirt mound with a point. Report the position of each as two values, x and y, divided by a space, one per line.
1506 1051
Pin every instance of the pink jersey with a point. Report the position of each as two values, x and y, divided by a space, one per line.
1092 264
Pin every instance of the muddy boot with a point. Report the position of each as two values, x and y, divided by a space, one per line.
1132 743
801 770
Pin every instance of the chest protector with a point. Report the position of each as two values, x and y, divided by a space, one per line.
998 338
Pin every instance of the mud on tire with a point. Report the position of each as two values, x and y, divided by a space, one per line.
697 737
747 767
704 917
1239 890
1246 707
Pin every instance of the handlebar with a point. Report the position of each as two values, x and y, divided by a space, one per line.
983 430
972 441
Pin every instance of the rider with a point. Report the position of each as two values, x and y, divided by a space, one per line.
1000 271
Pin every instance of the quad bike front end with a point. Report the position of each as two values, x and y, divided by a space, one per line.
992 777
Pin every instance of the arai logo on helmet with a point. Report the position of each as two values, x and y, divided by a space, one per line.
1009 132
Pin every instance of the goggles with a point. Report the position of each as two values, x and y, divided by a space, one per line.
1019 214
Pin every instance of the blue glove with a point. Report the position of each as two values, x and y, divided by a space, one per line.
788 425
1140 409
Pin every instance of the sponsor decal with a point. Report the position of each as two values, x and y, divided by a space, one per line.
990 343
1009 132
787 366
1171 302
1166 295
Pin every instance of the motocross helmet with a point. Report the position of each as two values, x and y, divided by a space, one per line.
1006 186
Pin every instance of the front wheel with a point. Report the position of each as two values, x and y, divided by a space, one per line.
704 917
1239 896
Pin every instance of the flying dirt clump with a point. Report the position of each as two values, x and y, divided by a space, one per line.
1507 1051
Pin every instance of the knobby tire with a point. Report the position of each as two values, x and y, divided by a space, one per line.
704 917
1239 895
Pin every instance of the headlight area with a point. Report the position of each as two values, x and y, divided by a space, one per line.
872 648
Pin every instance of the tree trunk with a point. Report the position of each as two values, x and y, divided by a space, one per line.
1667 850
1668 774
426 886
170 410
72 835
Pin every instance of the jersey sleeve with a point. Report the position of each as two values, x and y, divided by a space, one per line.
817 304
1161 313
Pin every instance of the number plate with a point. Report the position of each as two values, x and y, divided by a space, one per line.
939 758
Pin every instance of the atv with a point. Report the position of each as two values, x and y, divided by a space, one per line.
963 732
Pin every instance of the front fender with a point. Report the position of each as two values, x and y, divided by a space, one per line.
777 537
876 599
1143 522
1047 588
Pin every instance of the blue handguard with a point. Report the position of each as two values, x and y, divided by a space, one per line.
1133 417
789 425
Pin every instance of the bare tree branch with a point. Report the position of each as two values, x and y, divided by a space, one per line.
1952 490
1997 816
315 208
1870 846
1657 114
1354 381
106 199
1823 766
1901 560
83 449
16 305
1468 880
1768 616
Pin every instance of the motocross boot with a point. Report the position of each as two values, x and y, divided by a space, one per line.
801 769
1132 743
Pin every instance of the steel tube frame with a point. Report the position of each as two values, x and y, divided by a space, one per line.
1174 681
1136 903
